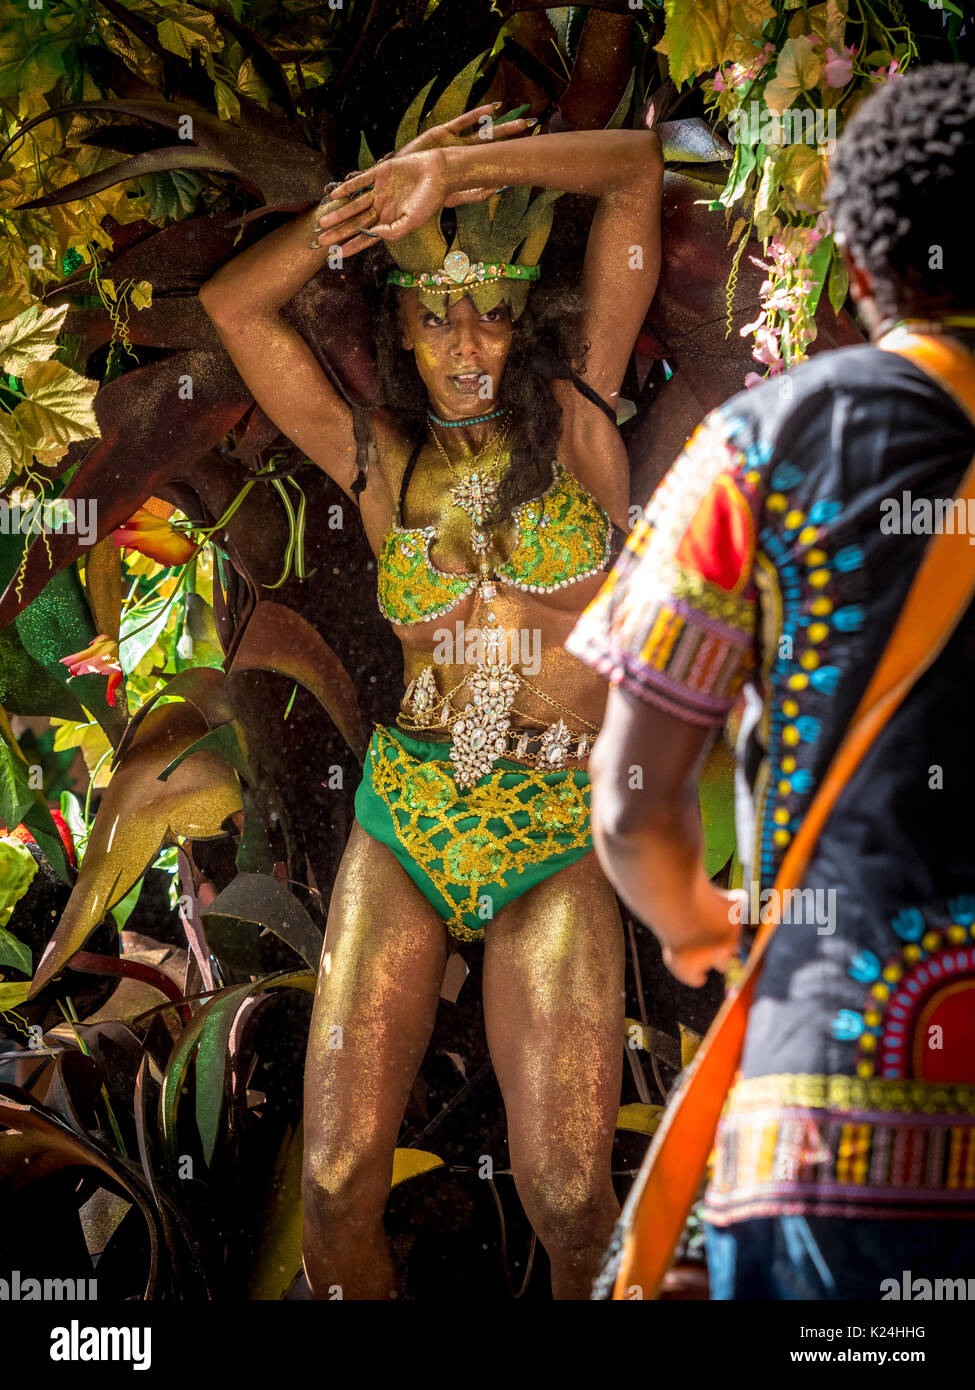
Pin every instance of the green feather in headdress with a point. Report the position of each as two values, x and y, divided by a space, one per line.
495 251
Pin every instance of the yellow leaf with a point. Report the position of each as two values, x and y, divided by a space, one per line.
250 83
59 406
108 287
15 454
763 208
697 37
137 563
410 1163
185 29
141 295
640 1119
798 69
689 1043
92 741
801 171
228 107
748 17
11 995
30 337
829 21
11 303
736 230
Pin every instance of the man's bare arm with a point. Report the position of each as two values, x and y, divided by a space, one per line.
647 832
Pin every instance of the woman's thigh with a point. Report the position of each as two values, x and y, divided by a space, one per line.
554 1011
375 1004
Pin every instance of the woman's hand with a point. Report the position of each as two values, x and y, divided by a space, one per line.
404 190
456 132
389 200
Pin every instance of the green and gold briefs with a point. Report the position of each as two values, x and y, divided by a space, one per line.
470 852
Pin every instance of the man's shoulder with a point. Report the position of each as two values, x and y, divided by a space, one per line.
861 366
877 385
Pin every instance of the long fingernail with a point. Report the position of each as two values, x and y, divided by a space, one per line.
315 246
366 232
531 120
496 104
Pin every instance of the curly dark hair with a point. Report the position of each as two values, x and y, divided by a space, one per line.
894 187
546 344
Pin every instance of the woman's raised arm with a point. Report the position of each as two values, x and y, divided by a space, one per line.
244 301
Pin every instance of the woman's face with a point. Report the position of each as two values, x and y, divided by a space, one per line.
460 354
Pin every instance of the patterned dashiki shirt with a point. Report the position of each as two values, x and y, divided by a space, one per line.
771 564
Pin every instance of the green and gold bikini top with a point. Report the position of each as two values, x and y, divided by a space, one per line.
561 537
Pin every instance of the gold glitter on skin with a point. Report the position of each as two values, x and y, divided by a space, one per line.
384 958
553 960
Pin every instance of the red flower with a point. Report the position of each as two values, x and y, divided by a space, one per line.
21 833
100 659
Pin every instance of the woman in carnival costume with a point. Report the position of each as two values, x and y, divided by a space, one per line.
495 499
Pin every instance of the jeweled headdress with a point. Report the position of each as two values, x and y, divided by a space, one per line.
495 251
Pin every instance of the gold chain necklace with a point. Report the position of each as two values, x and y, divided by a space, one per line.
477 493
498 437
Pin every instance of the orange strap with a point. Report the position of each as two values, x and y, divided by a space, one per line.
669 1179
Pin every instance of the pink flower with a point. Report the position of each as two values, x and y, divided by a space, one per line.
720 85
838 68
781 252
100 659
753 379
887 74
767 347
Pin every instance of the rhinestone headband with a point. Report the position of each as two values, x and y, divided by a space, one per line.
459 270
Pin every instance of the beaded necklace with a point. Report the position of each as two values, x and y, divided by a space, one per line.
467 420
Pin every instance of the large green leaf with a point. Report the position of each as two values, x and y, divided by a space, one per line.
206 1039
141 630
263 902
57 623
18 868
716 791
15 953
16 795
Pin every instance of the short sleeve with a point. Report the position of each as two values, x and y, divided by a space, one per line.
675 621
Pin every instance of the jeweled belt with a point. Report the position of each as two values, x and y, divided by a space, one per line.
481 732
536 747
